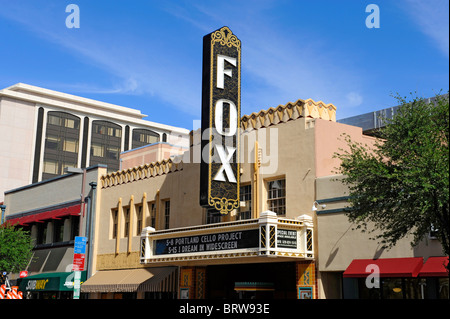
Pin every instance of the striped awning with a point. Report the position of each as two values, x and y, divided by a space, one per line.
162 279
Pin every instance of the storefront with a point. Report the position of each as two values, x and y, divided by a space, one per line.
143 283
268 257
56 285
434 275
252 281
396 278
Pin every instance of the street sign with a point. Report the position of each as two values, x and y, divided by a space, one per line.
78 262
23 274
80 245
77 285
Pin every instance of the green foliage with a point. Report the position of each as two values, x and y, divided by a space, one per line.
15 248
400 186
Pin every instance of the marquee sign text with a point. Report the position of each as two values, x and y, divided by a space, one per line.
207 243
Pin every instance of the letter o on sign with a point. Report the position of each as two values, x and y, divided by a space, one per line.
218 118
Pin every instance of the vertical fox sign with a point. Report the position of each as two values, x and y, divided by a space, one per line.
221 108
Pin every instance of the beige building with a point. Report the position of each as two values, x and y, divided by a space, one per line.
289 238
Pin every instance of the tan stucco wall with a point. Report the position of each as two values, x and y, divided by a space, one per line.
303 155
340 242
294 161
330 139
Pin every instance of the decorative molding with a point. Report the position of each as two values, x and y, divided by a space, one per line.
118 261
140 172
290 111
225 37
264 118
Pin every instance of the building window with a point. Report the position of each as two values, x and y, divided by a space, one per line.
61 143
74 227
213 216
166 214
393 288
70 123
70 145
41 233
276 196
139 220
106 144
58 230
52 142
115 220
245 195
97 150
127 221
50 167
153 215
143 137
112 152
55 168
54 120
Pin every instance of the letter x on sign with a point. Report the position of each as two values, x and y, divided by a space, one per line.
225 160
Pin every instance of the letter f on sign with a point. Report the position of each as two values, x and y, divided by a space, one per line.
221 72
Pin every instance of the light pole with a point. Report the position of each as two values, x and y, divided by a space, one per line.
90 233
77 170
77 272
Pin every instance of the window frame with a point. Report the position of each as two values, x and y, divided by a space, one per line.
273 203
245 197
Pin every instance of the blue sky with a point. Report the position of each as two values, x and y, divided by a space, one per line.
148 54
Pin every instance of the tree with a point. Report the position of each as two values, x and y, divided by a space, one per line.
400 186
15 248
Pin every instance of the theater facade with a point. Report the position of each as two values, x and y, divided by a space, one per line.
261 217
150 217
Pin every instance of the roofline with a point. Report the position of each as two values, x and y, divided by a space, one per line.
52 179
134 116
74 98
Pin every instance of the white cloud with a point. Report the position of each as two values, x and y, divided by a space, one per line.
433 20
135 68
280 66
354 99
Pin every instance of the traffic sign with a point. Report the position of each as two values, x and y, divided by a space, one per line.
80 245
23 274
78 262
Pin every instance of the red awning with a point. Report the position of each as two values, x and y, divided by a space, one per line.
51 214
435 267
389 267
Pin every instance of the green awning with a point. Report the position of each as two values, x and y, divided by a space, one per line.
52 281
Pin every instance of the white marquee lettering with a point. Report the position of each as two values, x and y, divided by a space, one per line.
225 157
218 118
221 72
